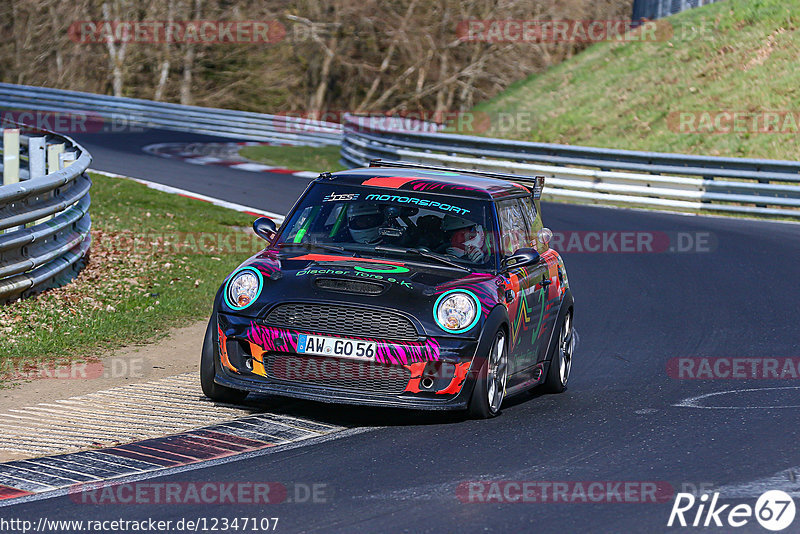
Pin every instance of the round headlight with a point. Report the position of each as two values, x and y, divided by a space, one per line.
457 311
243 288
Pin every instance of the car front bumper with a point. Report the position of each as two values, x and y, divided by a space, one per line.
428 373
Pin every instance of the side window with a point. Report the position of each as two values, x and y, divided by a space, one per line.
533 225
512 226
300 229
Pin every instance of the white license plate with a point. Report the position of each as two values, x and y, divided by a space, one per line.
335 346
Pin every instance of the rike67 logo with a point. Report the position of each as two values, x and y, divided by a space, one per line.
774 510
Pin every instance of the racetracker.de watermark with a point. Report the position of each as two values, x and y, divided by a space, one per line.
193 493
421 120
633 242
66 369
733 368
728 121
595 491
411 121
71 122
561 31
181 242
177 31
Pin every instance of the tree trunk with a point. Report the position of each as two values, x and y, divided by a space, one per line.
318 100
165 64
188 62
116 55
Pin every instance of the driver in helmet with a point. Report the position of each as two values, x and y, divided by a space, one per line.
364 221
468 239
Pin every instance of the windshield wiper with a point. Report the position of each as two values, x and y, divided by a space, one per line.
423 253
329 248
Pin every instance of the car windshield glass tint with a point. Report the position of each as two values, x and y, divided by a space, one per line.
359 218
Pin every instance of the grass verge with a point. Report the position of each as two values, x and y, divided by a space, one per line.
737 56
156 262
301 158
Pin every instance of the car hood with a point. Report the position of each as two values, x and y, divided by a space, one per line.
410 287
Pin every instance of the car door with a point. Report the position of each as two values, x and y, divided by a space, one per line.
545 291
526 309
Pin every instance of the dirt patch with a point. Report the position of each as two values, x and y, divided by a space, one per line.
763 53
178 353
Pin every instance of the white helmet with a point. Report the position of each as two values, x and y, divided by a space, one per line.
469 242
364 220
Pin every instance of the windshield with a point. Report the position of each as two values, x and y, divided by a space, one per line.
357 219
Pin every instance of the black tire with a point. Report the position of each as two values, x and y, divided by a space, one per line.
561 358
480 405
211 389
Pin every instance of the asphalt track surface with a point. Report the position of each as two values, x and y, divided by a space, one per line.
121 153
616 422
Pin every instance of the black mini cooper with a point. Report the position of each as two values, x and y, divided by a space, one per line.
397 285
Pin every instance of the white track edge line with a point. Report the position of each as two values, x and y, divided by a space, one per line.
174 190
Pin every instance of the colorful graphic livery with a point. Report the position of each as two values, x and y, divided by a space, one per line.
397 285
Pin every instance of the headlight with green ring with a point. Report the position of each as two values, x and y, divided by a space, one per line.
457 310
243 288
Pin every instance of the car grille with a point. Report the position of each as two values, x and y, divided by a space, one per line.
338 373
342 320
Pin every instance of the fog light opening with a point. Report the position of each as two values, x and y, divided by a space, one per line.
248 363
426 382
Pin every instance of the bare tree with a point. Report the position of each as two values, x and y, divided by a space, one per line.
188 60
165 58
364 55
116 51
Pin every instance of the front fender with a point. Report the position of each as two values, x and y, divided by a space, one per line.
497 318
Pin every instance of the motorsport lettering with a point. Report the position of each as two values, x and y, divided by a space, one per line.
418 202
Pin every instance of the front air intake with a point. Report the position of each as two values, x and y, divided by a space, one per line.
343 285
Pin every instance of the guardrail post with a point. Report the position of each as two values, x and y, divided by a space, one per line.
52 157
10 161
10 156
37 162
36 157
65 159
54 164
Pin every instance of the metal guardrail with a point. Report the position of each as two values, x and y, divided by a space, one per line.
44 218
595 175
656 9
122 112
575 173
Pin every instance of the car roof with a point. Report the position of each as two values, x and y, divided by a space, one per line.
460 184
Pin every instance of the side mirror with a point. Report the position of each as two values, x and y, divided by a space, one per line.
523 257
265 229
544 236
